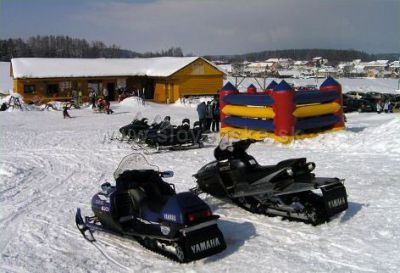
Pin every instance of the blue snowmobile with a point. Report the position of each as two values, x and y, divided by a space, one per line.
143 207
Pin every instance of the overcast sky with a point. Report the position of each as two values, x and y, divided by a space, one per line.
211 27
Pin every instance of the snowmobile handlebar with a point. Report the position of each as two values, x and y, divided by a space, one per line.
235 150
166 174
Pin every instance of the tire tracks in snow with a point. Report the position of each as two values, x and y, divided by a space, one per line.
35 201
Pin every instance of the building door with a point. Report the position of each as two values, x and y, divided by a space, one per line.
149 89
111 91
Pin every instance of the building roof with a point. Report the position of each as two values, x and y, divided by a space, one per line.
259 64
381 63
395 64
71 67
285 72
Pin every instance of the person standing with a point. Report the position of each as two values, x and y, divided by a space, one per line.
390 108
215 119
378 107
201 112
92 97
143 97
79 98
105 94
74 95
386 107
209 116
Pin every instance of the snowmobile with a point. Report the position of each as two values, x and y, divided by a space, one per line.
287 189
173 138
135 129
139 128
143 207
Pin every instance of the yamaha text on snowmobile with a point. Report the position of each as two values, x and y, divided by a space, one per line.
143 207
287 189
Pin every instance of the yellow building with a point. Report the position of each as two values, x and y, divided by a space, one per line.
164 79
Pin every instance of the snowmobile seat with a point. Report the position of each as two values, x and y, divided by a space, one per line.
158 194
247 169
124 206
129 204
138 197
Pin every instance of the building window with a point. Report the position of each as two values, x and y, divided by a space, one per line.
94 85
52 90
29 89
65 86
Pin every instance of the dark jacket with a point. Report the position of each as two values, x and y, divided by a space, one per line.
216 110
209 111
201 110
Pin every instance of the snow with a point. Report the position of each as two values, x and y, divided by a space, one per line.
50 166
348 84
60 67
5 79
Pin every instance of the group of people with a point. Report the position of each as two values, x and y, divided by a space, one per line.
208 113
100 102
386 107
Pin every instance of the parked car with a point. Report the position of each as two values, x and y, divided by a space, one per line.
359 105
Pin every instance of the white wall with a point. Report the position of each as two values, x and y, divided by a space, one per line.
5 79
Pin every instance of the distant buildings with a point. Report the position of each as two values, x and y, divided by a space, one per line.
317 67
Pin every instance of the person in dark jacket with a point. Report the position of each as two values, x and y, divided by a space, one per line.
165 123
209 116
201 111
215 119
66 107
92 97
4 107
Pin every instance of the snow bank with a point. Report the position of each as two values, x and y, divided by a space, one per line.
192 101
383 138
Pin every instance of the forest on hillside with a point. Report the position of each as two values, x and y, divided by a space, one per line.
67 47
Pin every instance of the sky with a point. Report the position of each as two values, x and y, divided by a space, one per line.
208 27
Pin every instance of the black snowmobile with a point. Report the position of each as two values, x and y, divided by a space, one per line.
180 137
143 207
134 129
286 189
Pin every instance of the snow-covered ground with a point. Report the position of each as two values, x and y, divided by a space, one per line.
50 166
348 84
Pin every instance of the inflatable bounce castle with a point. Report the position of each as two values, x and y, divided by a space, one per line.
280 112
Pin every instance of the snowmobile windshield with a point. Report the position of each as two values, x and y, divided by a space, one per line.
225 143
227 149
134 162
157 119
138 116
